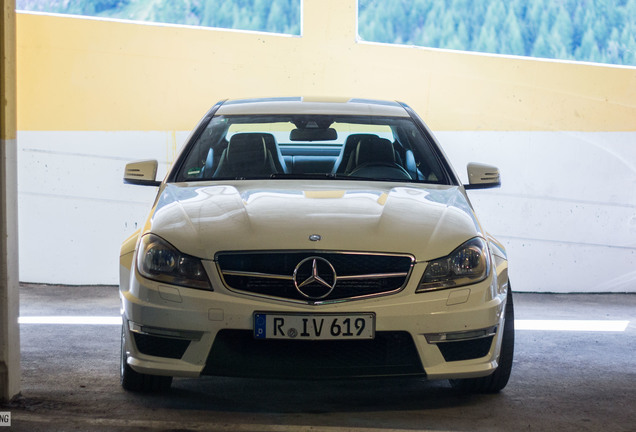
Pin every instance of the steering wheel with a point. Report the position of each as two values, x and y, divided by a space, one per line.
381 171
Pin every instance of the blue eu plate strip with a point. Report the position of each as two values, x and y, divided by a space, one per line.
260 326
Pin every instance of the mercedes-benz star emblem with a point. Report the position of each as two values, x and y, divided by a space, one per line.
315 278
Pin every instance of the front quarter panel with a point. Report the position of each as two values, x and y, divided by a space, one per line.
500 265
126 259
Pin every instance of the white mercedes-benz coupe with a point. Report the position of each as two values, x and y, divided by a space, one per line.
314 238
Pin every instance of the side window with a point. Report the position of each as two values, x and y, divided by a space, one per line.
194 165
419 158
204 155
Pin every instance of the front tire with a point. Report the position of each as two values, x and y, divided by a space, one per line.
135 381
495 382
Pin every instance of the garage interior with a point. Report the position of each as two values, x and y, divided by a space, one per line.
81 97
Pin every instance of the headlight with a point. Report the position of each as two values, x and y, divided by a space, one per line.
160 261
468 264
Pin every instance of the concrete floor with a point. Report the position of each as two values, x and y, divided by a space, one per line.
562 380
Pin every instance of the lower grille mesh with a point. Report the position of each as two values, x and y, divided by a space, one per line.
237 353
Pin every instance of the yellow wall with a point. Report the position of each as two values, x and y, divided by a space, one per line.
7 71
84 74
93 95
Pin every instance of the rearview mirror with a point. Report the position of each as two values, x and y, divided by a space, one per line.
142 173
481 176
313 134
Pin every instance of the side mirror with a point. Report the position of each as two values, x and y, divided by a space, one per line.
481 176
142 173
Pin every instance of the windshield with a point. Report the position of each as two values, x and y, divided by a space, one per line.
311 146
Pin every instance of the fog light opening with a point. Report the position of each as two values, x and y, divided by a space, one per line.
164 332
434 338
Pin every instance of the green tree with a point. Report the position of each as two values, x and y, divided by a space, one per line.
627 41
578 25
588 51
563 29
276 17
511 41
218 13
487 40
174 12
541 48
532 27
460 40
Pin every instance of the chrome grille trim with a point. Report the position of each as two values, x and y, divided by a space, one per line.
373 276
255 274
350 286
285 277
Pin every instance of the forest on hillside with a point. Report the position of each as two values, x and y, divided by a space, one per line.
276 16
602 31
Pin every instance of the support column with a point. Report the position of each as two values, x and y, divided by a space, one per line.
9 287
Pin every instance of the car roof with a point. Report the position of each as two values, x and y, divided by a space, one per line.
305 105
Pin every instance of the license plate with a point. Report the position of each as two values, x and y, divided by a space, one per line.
269 325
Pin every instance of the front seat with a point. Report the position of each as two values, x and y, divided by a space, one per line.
375 158
246 156
346 159
275 153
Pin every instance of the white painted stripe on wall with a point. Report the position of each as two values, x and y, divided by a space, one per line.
537 325
572 325
566 211
72 320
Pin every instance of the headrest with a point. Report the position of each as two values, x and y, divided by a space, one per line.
355 139
375 150
247 146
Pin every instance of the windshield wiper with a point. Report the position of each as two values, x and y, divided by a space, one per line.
330 176
380 179
317 176
300 176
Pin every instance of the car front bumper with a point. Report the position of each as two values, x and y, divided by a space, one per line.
455 333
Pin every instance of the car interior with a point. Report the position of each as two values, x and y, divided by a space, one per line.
237 151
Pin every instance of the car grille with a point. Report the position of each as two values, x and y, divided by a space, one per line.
350 275
238 353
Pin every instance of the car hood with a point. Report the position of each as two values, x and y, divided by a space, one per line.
423 220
